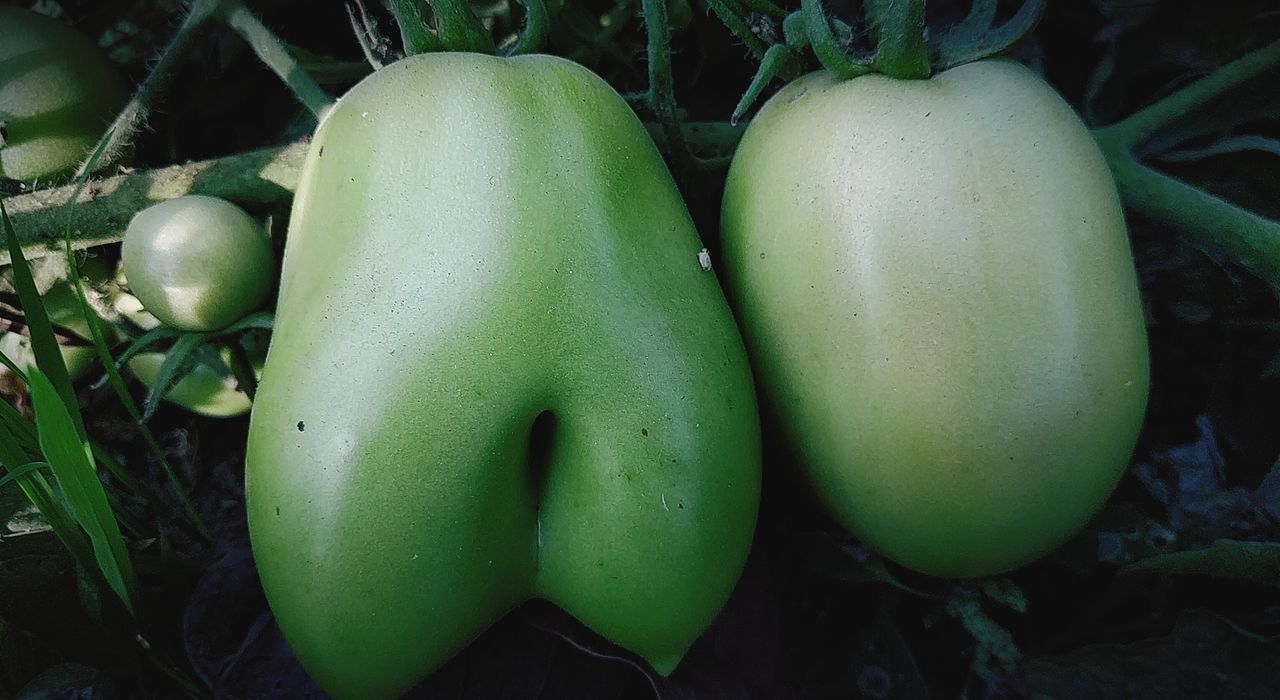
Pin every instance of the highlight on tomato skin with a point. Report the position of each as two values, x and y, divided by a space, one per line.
58 93
942 309
198 263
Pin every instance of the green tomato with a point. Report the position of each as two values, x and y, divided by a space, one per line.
63 307
498 371
936 287
198 263
203 390
58 93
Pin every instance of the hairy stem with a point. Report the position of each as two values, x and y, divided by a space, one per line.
1144 123
730 15
413 30
459 28
275 56
900 48
130 118
257 179
661 95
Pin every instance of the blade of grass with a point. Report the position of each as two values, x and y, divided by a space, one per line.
176 363
263 320
43 343
144 341
42 496
15 474
104 354
68 453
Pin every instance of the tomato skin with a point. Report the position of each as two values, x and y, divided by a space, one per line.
936 287
198 263
58 93
476 241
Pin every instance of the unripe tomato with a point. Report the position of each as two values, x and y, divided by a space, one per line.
58 93
203 390
935 282
198 263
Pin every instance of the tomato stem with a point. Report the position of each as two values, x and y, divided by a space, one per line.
825 45
414 34
901 51
459 28
661 97
138 108
1143 124
1251 239
262 179
275 56
731 15
537 22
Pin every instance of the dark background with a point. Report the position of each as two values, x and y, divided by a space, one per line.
816 614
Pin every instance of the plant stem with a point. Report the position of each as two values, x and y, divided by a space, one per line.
257 179
1252 240
901 51
413 30
135 112
825 45
732 18
661 94
273 53
1144 123
459 28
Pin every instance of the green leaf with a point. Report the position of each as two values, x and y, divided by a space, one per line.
22 431
41 494
1247 562
263 320
43 343
122 391
176 363
15 474
144 341
72 462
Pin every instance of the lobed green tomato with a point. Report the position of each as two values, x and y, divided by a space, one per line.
198 263
498 371
935 283
58 93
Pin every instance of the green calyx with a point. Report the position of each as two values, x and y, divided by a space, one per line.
902 48
458 28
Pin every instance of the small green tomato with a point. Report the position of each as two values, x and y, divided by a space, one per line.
57 95
203 390
198 263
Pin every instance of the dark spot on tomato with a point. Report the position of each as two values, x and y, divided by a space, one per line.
277 511
644 432
321 154
301 426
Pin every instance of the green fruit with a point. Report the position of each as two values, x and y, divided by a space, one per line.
63 307
58 93
498 371
203 390
198 263
935 284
